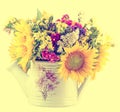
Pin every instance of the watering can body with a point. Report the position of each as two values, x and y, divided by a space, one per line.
43 86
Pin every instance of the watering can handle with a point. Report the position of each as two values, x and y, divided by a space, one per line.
81 86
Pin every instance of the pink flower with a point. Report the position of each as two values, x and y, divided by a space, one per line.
53 57
49 56
69 22
65 17
45 53
78 25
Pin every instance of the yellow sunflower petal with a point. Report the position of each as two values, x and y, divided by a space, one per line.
78 63
102 58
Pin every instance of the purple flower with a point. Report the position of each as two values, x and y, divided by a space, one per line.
51 76
50 87
52 27
82 31
55 37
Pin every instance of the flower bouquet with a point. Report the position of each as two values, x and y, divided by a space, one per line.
61 50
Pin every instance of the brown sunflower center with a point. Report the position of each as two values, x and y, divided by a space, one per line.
74 61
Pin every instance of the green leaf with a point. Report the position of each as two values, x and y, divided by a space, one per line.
38 14
28 65
50 19
18 59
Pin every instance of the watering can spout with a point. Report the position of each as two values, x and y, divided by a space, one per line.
20 76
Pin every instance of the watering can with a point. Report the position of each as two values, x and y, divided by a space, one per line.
43 87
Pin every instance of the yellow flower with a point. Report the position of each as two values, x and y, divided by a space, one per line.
46 40
102 53
37 35
61 27
77 63
22 45
101 59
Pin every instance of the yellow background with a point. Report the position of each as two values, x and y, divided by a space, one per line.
100 95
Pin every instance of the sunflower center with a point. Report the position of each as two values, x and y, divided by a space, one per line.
74 61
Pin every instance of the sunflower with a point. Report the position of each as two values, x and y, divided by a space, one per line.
22 45
102 53
101 59
77 63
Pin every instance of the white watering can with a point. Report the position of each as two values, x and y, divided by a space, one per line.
43 87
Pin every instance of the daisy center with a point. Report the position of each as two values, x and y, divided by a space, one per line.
74 61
